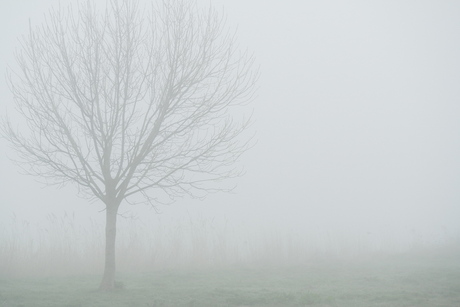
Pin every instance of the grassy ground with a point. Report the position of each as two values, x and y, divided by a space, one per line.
428 280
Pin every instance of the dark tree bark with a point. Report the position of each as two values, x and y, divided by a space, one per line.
108 278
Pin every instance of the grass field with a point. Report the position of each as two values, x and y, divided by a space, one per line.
429 279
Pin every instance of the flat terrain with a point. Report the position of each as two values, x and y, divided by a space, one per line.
410 280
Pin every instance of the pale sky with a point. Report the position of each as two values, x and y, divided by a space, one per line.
357 118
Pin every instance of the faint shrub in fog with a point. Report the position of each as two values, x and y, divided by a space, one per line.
63 246
58 247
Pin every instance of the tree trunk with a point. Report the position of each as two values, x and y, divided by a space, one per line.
108 279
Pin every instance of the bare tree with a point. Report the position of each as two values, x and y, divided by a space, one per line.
131 106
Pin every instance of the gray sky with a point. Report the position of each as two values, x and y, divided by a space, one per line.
357 119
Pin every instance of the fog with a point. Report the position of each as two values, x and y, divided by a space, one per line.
356 118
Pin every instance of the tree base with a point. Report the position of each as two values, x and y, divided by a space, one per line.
115 286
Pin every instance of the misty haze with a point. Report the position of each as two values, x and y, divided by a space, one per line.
229 153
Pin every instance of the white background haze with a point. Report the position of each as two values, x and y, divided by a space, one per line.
357 119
